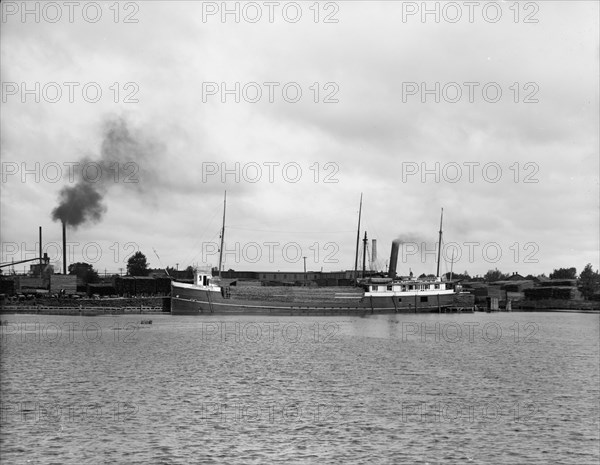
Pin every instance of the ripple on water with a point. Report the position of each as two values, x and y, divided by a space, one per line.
374 392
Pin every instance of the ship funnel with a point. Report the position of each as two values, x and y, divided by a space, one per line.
394 258
374 254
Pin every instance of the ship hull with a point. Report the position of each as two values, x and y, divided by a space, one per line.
338 301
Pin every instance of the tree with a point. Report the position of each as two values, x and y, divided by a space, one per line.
564 273
137 265
589 281
188 273
423 275
459 277
171 271
84 271
494 275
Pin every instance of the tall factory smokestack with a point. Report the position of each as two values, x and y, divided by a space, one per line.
394 258
374 254
40 251
64 237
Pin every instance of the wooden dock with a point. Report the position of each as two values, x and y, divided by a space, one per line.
78 311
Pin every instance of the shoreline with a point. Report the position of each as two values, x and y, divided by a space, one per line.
148 310
80 311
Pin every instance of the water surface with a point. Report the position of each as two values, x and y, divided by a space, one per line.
429 389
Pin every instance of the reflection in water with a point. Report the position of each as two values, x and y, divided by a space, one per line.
437 389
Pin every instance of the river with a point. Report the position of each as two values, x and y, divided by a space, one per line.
483 388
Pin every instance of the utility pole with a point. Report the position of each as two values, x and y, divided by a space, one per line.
304 270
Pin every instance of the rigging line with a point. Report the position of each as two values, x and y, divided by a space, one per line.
445 258
211 240
199 238
159 262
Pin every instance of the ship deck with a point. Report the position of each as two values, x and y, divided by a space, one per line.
296 294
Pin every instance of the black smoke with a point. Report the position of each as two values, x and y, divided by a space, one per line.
79 204
123 152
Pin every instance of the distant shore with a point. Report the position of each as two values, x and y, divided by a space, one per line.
161 304
143 309
89 307
80 311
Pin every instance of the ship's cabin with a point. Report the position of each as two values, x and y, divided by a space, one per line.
407 287
202 278
410 285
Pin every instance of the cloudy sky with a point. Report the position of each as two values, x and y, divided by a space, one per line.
153 109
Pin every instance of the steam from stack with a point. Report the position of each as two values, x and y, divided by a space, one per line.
404 239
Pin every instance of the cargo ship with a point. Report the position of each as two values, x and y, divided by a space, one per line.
389 294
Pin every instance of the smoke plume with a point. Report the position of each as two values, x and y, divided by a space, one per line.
79 204
122 151
409 238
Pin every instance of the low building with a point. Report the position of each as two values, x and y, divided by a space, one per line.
65 284
101 289
553 292
24 284
516 277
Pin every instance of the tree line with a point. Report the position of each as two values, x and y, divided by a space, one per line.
137 265
588 280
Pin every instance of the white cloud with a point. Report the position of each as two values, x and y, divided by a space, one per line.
369 136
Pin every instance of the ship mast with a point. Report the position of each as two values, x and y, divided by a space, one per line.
364 266
440 245
222 234
357 239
